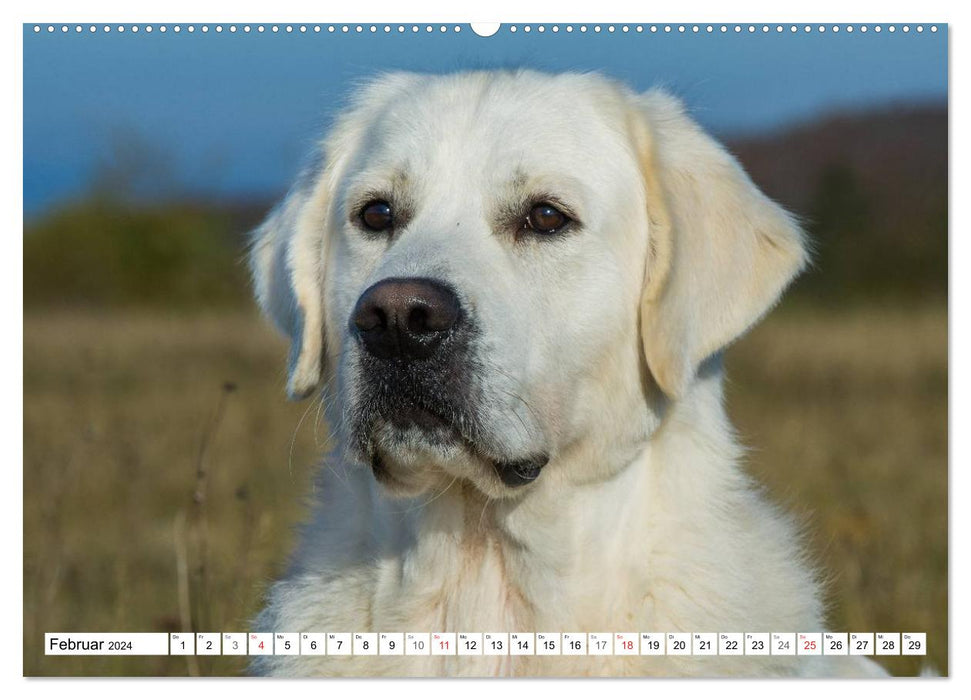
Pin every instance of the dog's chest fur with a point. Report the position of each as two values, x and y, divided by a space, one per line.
677 542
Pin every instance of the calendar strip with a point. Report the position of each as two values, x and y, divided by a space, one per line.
487 644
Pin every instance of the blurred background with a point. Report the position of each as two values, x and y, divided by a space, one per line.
163 469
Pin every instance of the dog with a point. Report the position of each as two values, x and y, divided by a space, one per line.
511 292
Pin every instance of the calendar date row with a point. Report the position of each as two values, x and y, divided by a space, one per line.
490 644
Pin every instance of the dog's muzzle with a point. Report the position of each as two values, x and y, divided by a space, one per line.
416 367
417 370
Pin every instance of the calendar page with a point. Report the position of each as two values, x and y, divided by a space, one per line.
527 349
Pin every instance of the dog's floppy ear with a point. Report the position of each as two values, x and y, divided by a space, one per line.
286 260
721 252
288 250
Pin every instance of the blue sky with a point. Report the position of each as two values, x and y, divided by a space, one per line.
234 113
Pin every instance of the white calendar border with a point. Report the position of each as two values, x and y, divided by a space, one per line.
508 10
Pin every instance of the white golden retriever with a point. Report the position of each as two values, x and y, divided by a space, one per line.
513 290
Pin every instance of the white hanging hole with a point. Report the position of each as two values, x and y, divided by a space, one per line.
485 28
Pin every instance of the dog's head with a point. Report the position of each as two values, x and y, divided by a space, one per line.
489 270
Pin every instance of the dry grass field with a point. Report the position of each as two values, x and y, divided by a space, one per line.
164 470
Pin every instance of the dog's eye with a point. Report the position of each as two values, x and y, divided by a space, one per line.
545 218
377 215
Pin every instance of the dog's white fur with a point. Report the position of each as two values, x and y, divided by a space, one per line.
601 347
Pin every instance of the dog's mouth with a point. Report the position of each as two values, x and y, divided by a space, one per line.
521 472
392 432
414 420
414 416
383 474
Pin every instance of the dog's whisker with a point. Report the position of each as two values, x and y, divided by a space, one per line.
525 431
487 501
515 395
293 438
320 406
423 504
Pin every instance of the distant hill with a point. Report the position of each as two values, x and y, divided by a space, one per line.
870 187
872 190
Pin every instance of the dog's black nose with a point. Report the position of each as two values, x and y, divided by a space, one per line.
405 318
